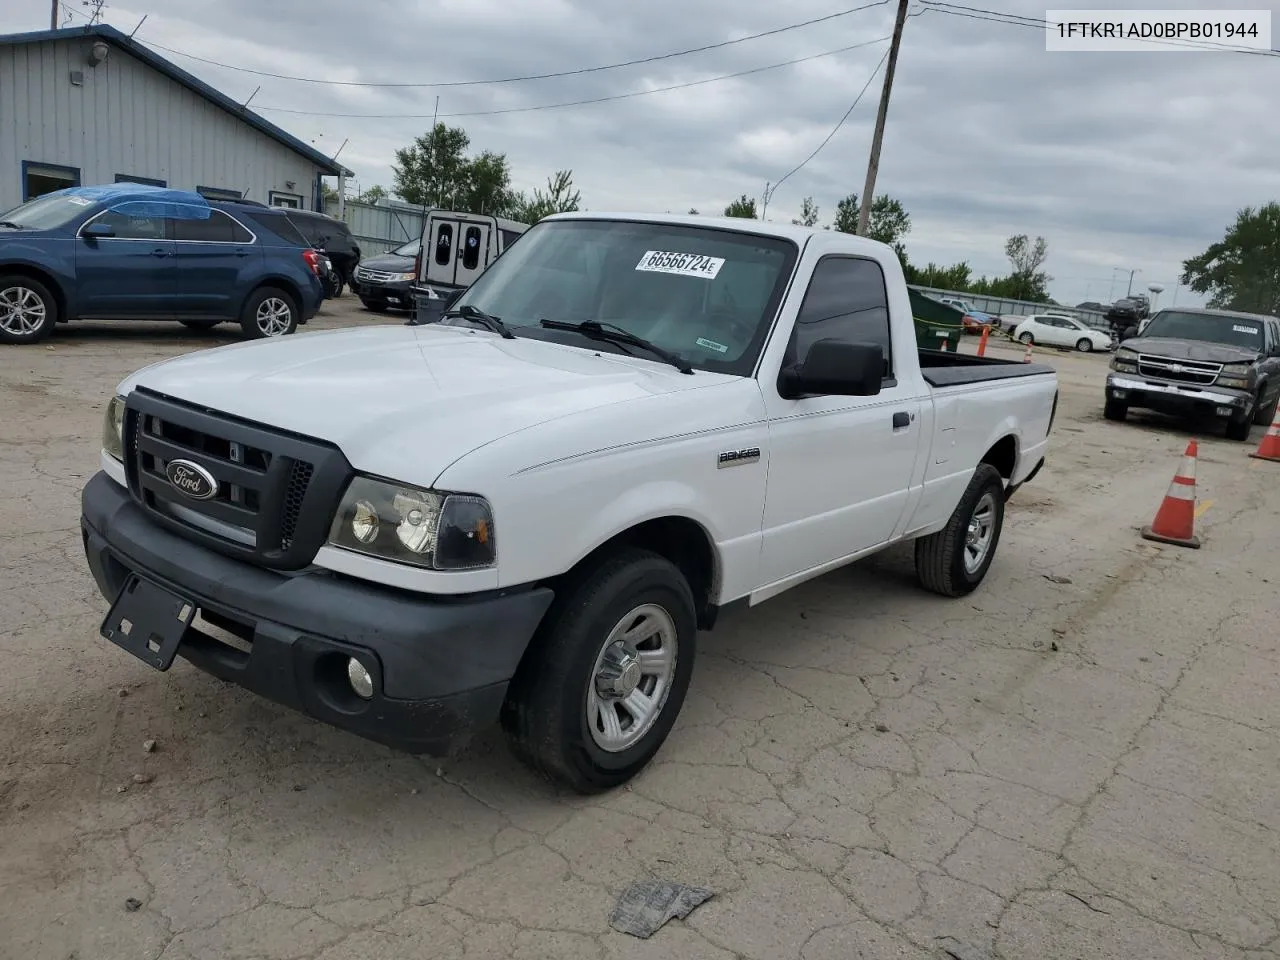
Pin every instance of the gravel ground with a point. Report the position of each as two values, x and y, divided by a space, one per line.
1078 761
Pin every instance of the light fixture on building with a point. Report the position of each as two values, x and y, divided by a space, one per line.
98 53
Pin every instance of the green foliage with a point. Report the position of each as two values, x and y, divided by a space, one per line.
808 213
744 207
1242 270
887 221
372 195
560 197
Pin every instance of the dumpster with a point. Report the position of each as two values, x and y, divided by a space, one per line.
938 327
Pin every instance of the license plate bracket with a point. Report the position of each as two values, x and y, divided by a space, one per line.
148 621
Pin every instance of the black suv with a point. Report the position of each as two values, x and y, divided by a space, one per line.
1191 361
333 237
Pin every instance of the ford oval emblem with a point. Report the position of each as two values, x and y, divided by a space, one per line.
191 479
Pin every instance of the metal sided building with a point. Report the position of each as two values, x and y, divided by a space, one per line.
88 105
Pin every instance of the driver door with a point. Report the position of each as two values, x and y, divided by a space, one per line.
131 273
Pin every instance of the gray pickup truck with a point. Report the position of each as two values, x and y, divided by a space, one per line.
1199 362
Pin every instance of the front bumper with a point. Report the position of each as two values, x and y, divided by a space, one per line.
440 666
1179 399
396 293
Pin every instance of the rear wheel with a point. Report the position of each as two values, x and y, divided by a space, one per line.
1027 337
953 561
28 311
1115 410
269 312
1084 344
600 688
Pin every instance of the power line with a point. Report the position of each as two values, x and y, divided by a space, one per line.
834 130
1039 23
534 76
577 103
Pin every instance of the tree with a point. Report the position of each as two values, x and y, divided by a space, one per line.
744 207
1242 270
560 197
1028 281
434 170
486 186
372 195
808 213
888 222
954 277
693 212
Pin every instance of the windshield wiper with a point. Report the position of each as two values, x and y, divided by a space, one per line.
10 223
615 334
486 320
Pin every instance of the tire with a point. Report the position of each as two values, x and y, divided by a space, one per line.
943 563
1238 430
1114 410
374 306
28 310
555 689
1027 337
1084 345
1264 415
269 312
200 324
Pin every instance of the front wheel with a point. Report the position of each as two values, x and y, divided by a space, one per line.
1084 344
269 312
28 311
953 561
374 306
600 687
1027 337
1115 410
1238 430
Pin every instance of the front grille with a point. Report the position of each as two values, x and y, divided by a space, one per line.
273 493
1198 372
375 276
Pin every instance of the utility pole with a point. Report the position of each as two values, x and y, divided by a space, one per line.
1129 293
53 16
764 205
873 165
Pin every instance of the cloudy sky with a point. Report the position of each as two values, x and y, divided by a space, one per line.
1122 162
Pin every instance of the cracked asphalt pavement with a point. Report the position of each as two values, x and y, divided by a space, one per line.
1080 760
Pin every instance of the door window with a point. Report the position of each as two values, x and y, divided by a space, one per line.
471 248
444 244
134 221
218 228
846 300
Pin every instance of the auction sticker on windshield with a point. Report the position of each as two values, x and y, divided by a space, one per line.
1236 328
682 264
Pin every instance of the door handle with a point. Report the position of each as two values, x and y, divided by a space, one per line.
901 419
159 252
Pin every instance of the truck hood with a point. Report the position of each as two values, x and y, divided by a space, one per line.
406 402
1176 349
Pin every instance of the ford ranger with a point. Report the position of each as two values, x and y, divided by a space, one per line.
525 512
1197 362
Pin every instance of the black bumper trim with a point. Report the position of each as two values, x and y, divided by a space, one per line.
440 667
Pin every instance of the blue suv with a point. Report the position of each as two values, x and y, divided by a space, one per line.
137 252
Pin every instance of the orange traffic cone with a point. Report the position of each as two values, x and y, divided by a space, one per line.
1176 518
1026 357
1269 448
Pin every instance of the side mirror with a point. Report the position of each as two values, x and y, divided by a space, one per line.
835 368
98 231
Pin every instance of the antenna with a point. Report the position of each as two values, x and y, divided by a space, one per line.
139 26
96 8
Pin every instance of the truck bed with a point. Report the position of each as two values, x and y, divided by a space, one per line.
943 369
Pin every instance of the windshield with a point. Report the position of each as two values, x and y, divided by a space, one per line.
48 212
707 295
1237 331
410 249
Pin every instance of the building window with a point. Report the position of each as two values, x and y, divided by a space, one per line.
219 193
41 178
130 178
291 200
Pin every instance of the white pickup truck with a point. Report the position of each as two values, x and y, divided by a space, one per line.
526 512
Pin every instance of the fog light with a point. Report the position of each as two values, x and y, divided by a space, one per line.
1119 394
1225 411
360 680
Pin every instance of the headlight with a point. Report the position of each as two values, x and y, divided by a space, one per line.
113 428
404 276
404 524
1125 360
1235 376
